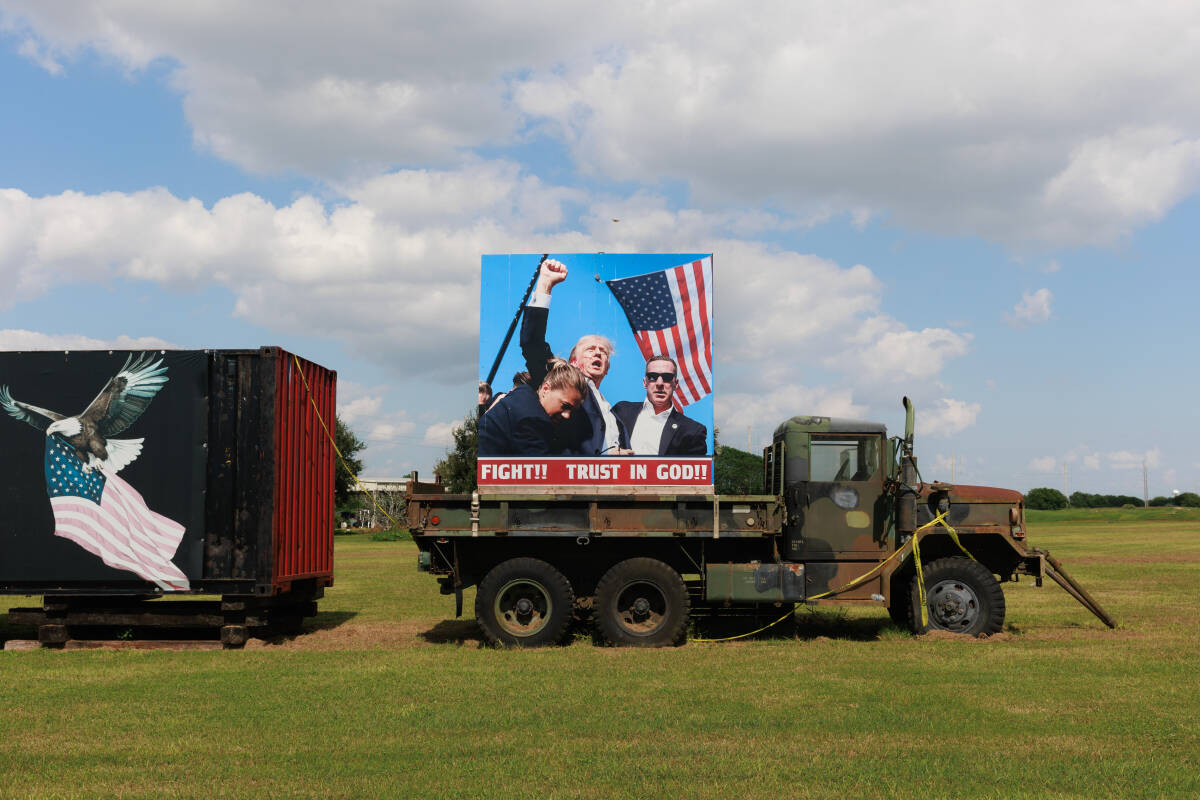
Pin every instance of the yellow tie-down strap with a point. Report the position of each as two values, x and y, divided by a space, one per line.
333 442
913 544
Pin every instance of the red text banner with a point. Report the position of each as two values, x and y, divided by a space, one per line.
617 471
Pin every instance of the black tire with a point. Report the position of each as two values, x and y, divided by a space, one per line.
524 602
642 602
962 596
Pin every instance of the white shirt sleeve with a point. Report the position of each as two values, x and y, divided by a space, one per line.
538 300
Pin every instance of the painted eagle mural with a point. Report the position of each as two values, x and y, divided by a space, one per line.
119 404
92 505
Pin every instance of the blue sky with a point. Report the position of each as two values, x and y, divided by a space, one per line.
992 210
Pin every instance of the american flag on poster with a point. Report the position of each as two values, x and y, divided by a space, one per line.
670 313
107 517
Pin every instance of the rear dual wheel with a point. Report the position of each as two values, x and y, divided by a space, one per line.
524 602
642 602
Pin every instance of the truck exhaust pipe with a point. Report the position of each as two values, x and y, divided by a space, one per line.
909 423
906 511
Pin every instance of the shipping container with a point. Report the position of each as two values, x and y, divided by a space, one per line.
162 472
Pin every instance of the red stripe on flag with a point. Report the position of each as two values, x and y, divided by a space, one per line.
685 300
123 532
643 340
681 354
686 374
698 269
666 339
661 342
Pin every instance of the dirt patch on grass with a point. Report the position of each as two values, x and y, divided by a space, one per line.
431 631
380 635
947 636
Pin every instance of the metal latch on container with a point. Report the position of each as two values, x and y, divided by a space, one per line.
474 513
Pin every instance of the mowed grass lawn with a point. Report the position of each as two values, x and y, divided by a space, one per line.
388 696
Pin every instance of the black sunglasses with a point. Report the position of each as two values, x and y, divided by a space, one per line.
667 377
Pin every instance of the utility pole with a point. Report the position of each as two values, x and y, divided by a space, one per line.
748 450
1145 486
954 467
1065 484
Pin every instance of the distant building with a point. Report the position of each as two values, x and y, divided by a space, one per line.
376 494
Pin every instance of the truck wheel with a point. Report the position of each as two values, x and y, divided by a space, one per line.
524 602
962 596
642 602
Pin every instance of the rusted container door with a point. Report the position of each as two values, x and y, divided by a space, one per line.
305 418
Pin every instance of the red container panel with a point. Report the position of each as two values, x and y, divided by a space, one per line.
305 421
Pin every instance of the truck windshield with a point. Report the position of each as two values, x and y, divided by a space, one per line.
844 459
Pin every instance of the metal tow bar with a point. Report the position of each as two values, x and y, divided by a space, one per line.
1059 575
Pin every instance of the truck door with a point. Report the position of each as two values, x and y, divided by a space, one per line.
843 512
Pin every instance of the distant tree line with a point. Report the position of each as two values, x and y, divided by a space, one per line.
1045 499
1050 499
1085 500
1189 499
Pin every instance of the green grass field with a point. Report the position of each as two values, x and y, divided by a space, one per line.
388 696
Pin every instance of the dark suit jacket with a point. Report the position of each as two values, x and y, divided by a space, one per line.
518 426
583 434
681 436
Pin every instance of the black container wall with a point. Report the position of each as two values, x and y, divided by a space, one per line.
187 494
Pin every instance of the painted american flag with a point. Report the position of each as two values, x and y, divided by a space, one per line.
107 517
671 312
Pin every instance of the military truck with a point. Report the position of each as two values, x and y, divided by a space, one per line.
845 518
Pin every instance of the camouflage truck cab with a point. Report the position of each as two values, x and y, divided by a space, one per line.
851 510
834 476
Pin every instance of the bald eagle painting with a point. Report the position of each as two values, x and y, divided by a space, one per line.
92 505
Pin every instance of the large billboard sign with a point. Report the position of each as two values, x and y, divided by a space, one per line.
600 371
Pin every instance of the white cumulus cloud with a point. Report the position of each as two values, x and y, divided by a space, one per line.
358 409
761 412
441 433
17 339
885 350
378 283
395 268
1033 308
1022 122
948 417
1043 464
1132 176
1126 459
389 429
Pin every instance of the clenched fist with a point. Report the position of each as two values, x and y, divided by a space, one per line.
553 273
